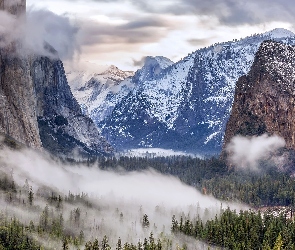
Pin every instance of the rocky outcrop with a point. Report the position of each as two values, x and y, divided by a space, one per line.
18 117
37 107
264 99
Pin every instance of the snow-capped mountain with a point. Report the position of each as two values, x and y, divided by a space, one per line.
183 105
98 93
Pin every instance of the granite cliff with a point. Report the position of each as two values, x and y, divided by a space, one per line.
264 99
37 107
17 99
63 127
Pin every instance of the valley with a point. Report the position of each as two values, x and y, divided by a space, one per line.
195 154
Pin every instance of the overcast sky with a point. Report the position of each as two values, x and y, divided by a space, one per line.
122 32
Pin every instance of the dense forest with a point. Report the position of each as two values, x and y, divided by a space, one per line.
244 230
45 218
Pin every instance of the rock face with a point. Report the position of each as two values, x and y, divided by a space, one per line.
18 117
37 107
63 128
265 98
17 92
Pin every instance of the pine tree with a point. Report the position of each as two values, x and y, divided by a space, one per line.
145 221
105 243
31 196
279 243
65 244
119 244
95 245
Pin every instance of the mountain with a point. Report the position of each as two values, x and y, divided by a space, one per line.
184 105
98 93
37 107
64 129
39 110
180 106
264 98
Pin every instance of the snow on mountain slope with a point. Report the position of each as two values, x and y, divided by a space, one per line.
97 93
183 105
186 105
164 91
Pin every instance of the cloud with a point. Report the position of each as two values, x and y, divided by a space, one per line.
199 41
246 152
36 29
228 12
137 31
56 30
140 62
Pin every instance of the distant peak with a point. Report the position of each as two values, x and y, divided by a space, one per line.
162 61
113 70
279 33
116 74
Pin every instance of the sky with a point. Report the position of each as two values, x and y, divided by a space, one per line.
123 32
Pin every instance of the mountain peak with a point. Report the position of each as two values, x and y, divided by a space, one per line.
116 74
279 33
152 67
161 61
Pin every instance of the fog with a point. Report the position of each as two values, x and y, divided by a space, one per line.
119 199
38 29
246 152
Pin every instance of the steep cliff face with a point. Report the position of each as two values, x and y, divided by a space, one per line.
63 127
17 99
264 99
37 108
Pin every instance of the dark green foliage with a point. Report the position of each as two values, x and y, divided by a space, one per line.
14 236
271 188
145 221
246 230
190 170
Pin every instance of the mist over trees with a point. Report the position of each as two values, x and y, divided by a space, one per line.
36 215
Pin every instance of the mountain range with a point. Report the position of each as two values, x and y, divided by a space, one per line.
181 106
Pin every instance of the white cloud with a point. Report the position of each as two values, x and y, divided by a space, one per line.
246 152
38 28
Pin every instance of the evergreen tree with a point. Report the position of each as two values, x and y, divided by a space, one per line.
30 196
145 221
105 243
